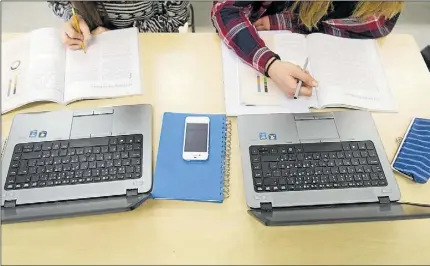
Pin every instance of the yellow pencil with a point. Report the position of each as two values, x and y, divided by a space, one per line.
75 18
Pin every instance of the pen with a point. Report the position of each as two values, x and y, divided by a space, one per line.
299 85
75 18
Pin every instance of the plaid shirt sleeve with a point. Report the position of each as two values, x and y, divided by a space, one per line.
373 27
237 32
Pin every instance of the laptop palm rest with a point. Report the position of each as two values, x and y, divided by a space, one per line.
91 126
317 129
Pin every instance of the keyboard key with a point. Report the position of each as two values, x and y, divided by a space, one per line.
47 146
80 151
62 152
112 148
121 170
138 138
136 154
120 148
56 145
372 161
71 152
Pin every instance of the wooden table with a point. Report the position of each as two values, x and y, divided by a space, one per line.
183 73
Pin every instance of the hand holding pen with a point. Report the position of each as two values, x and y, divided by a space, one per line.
77 33
288 76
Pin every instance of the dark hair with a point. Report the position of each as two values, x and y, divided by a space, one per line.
90 13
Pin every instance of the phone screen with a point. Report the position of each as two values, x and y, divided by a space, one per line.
196 137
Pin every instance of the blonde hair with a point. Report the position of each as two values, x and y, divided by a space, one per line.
310 12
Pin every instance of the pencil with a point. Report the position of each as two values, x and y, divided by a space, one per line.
299 85
75 18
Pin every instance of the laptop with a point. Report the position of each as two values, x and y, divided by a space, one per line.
77 162
318 168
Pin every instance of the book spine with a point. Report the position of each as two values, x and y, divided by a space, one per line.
225 171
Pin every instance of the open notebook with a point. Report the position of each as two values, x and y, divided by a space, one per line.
37 67
349 73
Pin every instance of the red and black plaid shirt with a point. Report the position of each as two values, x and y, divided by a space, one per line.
234 23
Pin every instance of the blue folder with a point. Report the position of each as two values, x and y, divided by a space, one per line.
177 179
413 157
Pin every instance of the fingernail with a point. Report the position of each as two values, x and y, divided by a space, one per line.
314 83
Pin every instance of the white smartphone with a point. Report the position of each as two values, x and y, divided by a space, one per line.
196 138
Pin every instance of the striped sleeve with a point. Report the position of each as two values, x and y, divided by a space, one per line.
374 27
62 9
237 32
175 15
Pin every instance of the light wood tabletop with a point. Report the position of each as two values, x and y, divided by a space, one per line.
183 73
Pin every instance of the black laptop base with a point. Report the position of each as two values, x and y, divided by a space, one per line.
72 208
344 213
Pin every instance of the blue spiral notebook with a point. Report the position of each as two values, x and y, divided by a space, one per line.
413 156
177 179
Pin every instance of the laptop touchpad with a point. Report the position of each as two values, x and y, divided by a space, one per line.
317 129
84 126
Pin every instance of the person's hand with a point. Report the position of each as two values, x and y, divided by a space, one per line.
262 23
71 38
99 30
286 76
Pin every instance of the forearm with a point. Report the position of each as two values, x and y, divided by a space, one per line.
239 34
372 28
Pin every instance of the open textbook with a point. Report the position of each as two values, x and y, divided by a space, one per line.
36 67
349 74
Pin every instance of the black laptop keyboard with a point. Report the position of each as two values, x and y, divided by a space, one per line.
316 166
77 161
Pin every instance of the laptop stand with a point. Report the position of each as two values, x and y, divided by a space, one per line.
343 213
65 209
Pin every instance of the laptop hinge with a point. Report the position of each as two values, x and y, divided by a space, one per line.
384 200
131 192
9 203
266 206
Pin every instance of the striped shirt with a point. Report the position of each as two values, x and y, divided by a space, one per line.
147 16
234 23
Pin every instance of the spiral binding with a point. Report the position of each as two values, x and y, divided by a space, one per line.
225 171
4 142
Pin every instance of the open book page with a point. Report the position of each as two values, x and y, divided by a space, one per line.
109 68
256 89
349 73
32 69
